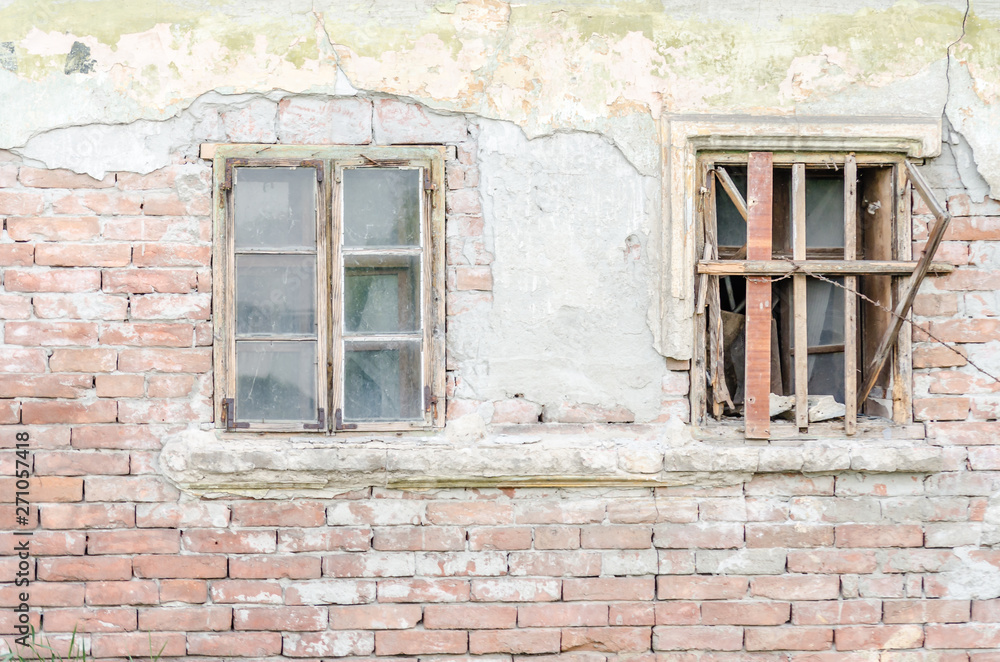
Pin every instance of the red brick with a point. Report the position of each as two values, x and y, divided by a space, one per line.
137 643
135 542
229 542
76 463
555 564
83 360
102 411
14 307
713 638
138 592
44 595
336 644
170 386
50 543
120 386
609 588
52 280
789 535
289 619
562 615
179 566
879 637
162 178
192 591
405 538
14 359
243 591
523 642
84 569
972 635
879 535
793 638
832 562
745 613
135 437
17 255
700 587
416 642
938 356
423 590
617 537
149 281
274 567
636 613
109 202
186 619
559 512
348 539
130 488
234 644
702 536
45 489
83 255
607 639
50 334
21 203
171 306
44 386
515 411
88 516
464 513
148 334
677 613
165 360
34 228
171 255
925 611
10 412
984 611
291 514
469 617
557 537
500 538
516 590
474 278
796 587
375 617
40 178
90 620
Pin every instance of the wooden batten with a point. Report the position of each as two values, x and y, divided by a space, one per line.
799 295
850 298
757 383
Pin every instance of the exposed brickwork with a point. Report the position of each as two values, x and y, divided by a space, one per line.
106 307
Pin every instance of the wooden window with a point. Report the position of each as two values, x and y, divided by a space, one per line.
804 283
329 288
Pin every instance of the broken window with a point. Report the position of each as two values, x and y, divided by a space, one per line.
329 305
805 269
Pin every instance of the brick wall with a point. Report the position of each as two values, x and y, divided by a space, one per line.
107 350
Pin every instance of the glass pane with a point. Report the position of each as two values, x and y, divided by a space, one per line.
382 381
731 228
826 375
275 207
824 312
275 294
381 207
275 381
380 293
824 211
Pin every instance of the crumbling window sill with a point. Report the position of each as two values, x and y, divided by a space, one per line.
212 464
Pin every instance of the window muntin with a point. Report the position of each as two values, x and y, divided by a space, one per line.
360 348
882 233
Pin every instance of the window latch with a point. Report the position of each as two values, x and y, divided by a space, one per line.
229 416
338 421
321 425
430 400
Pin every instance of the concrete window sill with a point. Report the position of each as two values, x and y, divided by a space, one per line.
212 464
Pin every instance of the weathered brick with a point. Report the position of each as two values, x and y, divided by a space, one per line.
501 538
469 617
879 637
745 613
186 619
292 514
52 280
41 178
165 360
306 121
135 542
375 617
234 644
139 437
83 255
699 587
19 255
879 535
130 488
192 591
607 639
516 590
50 334
839 612
557 537
555 564
171 306
44 386
789 535
14 307
332 592
831 562
609 588
21 203
516 411
796 587
289 619
118 593
243 591
119 386
925 611
706 536
562 615
798 638
84 569
34 228
423 590
110 645
401 538
149 281
396 123
616 537
90 620
102 411
228 541
80 306
517 642
88 516
334 644
347 539
274 567
712 638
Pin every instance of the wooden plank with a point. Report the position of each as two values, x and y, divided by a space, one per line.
877 209
902 366
850 298
834 267
734 193
909 291
758 310
799 305
716 351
